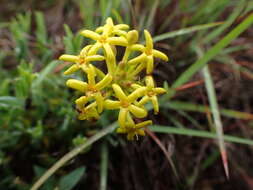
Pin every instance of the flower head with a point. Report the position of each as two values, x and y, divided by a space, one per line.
148 53
120 86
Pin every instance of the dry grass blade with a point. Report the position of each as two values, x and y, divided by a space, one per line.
166 153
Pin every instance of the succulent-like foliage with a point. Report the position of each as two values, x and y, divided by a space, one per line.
122 87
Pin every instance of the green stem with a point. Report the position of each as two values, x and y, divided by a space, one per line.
72 154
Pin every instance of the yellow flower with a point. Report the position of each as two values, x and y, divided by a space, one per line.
132 129
126 104
88 113
122 86
81 61
146 59
150 94
91 89
113 29
105 41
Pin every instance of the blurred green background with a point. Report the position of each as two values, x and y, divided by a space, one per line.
38 121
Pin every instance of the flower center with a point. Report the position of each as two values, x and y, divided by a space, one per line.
151 93
91 89
82 60
124 104
148 52
102 39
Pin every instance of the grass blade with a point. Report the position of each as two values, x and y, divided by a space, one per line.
198 133
229 21
216 116
199 64
188 106
72 154
185 31
104 166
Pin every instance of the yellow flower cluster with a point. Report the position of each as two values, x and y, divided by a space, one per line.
121 87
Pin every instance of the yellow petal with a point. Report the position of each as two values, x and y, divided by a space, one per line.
71 69
81 101
160 55
138 47
70 58
77 84
91 75
137 111
143 124
155 104
109 21
143 101
99 101
159 90
108 50
104 82
136 94
90 34
122 26
138 69
121 130
149 81
122 117
135 86
99 72
111 104
85 50
140 132
141 58
150 64
99 29
119 32
118 41
149 41
94 58
130 136
119 92
93 50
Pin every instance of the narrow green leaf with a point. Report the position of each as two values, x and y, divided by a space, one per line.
183 31
69 181
104 166
43 74
198 133
216 115
199 64
189 106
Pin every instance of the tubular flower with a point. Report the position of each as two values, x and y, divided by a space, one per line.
132 129
146 59
114 29
151 93
125 104
81 61
122 87
91 89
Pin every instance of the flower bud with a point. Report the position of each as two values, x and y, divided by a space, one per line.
132 36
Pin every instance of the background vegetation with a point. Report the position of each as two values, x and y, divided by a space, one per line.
38 123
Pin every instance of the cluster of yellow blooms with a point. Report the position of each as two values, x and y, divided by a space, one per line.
121 87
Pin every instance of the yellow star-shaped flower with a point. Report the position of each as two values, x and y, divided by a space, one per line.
105 41
81 61
91 89
126 104
132 129
150 94
113 29
87 113
146 59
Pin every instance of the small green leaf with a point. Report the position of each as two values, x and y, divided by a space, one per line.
69 181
